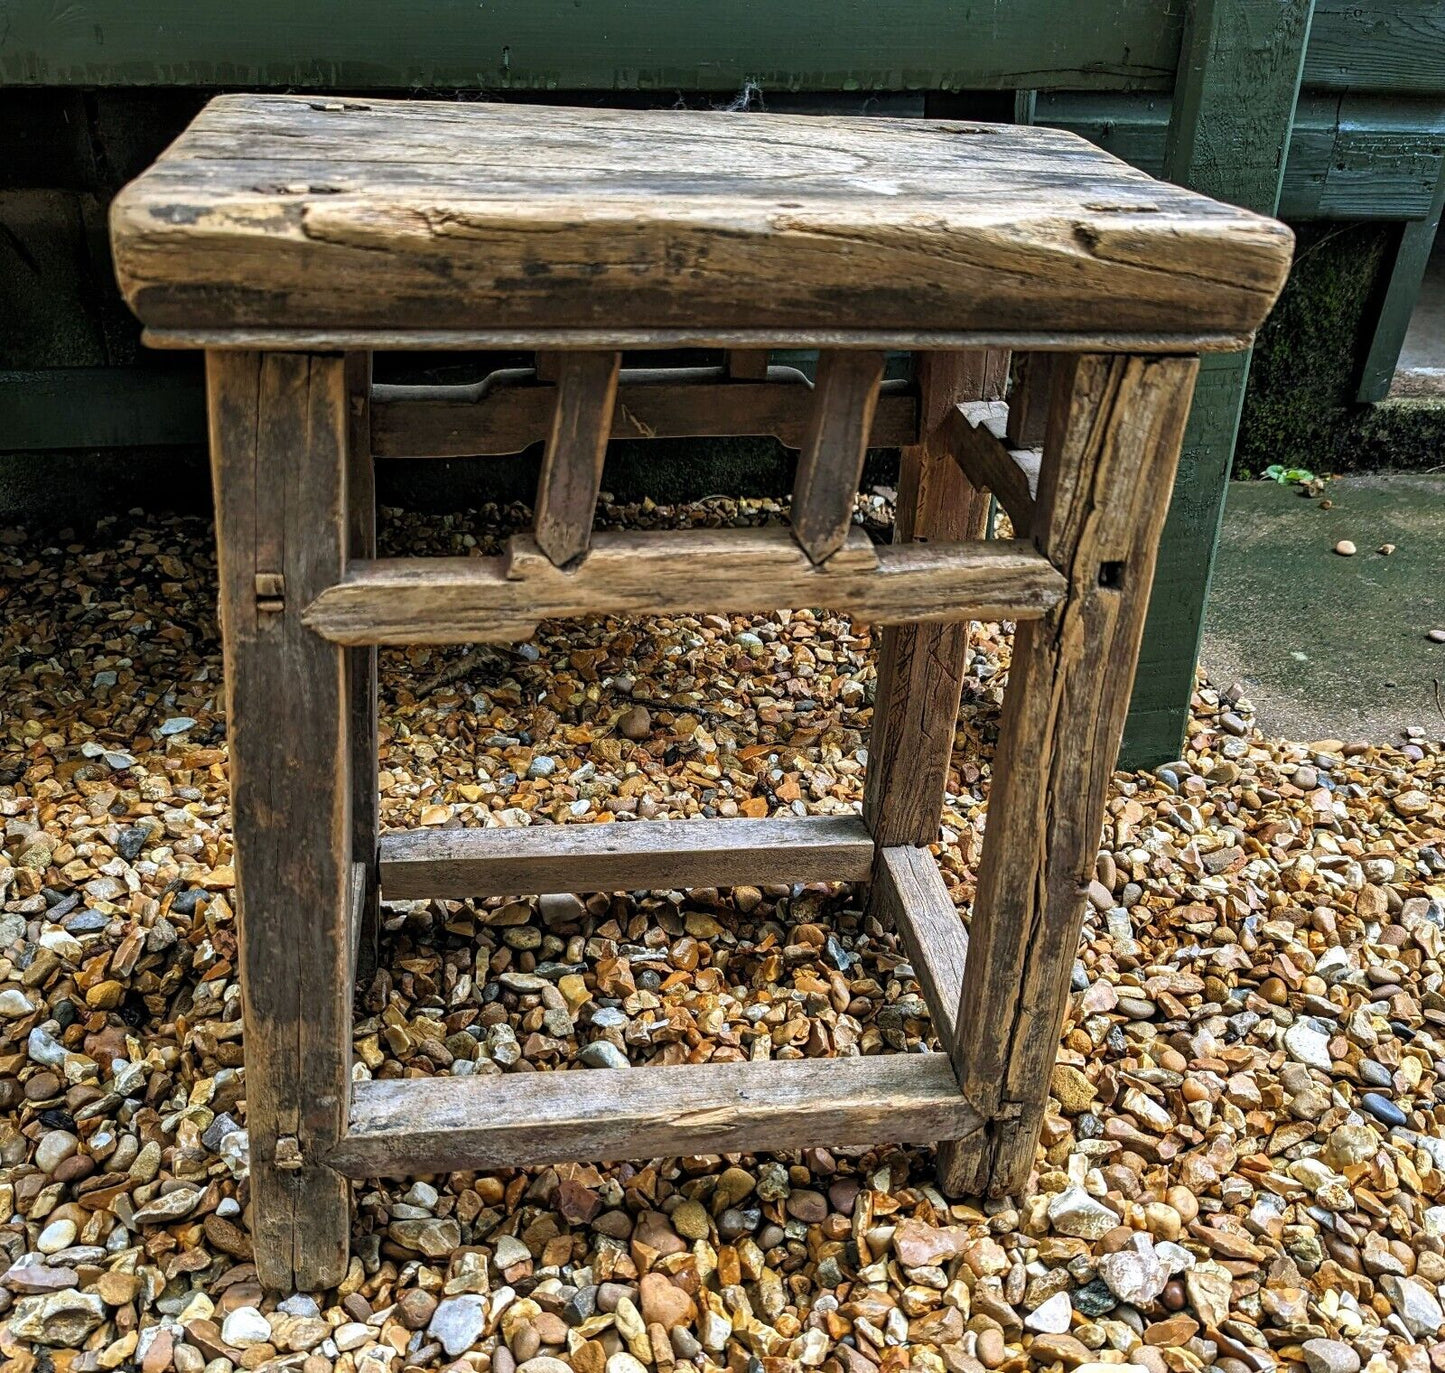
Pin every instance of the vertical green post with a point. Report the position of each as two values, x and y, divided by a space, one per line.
1412 256
1240 64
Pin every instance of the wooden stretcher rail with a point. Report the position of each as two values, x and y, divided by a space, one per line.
510 410
432 1125
642 855
290 340
499 599
975 433
911 894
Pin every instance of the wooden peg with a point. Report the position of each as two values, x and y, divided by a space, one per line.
576 447
845 394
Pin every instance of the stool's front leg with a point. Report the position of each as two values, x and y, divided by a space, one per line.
279 431
1114 429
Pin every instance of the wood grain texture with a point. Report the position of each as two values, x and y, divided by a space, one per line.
427 1125
1113 440
576 449
469 600
508 411
279 427
845 395
283 339
913 899
636 856
975 435
921 666
1028 400
269 212
361 662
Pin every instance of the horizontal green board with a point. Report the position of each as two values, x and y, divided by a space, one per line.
1377 45
1350 157
102 407
702 45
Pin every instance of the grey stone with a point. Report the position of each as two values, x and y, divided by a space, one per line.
458 1323
1330 1356
603 1053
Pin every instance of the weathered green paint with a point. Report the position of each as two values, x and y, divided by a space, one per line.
102 407
1351 157
707 45
1377 45
1407 271
1229 132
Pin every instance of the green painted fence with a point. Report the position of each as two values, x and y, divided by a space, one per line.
1313 110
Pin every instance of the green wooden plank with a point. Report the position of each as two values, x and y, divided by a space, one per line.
1351 157
1377 45
1407 271
1229 133
708 45
102 407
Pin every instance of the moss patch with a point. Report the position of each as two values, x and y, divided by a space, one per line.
1300 409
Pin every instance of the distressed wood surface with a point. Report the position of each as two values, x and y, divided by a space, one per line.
921 666
281 338
911 897
576 449
845 394
279 427
428 1125
642 855
1113 439
508 411
271 213
467 600
1028 402
361 662
975 433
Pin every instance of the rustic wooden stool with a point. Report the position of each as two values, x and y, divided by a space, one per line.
289 237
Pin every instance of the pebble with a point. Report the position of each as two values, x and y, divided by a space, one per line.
244 1327
1345 548
1330 1356
458 1323
1052 1316
1231 1170
1383 1109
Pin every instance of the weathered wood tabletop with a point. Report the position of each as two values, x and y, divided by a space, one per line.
280 214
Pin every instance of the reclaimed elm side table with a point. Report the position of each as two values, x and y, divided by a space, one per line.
289 237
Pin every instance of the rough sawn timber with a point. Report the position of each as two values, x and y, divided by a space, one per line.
509 411
640 855
1114 431
499 599
271 213
279 426
921 666
576 448
430 1125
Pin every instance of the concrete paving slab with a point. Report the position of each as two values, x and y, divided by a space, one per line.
1329 646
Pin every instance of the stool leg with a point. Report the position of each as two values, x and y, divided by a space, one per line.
921 666
361 667
279 430
1114 430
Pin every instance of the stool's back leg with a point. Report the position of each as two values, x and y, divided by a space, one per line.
845 395
921 665
576 448
361 662
1114 430
279 426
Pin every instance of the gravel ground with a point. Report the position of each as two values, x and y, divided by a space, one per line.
1243 1166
